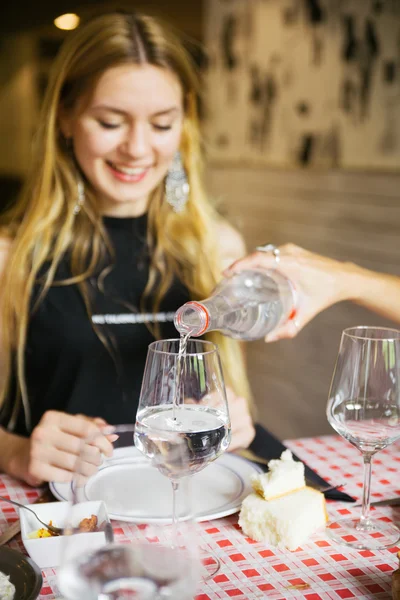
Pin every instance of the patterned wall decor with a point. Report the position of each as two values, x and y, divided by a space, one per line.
304 82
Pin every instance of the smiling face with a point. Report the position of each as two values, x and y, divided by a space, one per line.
126 134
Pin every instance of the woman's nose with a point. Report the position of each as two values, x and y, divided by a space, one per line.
137 141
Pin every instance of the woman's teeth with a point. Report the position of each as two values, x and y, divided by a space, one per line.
129 170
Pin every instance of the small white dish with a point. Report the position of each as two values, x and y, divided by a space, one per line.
47 551
134 491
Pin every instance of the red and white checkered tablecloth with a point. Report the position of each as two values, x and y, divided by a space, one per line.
320 570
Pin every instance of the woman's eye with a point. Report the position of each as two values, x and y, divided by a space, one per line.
162 127
108 125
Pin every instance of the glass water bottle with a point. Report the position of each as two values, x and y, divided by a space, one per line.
247 306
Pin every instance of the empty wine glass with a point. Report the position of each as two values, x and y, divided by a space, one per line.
364 408
150 559
183 392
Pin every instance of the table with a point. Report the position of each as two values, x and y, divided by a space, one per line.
320 570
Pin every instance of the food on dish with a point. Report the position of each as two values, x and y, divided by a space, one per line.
289 512
86 525
7 589
41 533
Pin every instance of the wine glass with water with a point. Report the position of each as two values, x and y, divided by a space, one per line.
183 392
364 408
153 560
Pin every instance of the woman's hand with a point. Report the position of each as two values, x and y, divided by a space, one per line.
242 426
50 453
319 282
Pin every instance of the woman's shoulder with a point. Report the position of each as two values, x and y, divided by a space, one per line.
230 242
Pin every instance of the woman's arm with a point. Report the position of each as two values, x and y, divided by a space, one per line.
14 449
378 292
14 457
321 282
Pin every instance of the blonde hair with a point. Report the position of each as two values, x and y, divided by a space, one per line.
43 224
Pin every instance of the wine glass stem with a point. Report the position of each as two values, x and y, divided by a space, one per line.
365 522
175 487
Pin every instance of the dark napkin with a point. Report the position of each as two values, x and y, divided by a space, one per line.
268 446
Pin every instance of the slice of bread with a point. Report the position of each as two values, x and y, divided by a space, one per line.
285 522
284 475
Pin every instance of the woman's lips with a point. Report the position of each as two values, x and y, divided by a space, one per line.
128 174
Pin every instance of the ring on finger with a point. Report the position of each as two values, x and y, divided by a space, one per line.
270 248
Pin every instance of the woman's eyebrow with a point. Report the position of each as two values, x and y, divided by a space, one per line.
109 109
166 111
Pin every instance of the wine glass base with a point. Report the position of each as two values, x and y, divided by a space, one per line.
380 535
210 564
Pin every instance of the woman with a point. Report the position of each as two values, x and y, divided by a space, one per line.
112 233
321 282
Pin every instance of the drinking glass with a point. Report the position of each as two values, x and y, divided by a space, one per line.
183 392
152 560
364 408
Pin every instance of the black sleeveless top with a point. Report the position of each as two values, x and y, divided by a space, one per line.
68 368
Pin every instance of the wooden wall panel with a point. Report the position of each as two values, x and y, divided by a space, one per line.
349 216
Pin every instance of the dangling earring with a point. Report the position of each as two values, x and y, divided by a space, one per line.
177 187
81 197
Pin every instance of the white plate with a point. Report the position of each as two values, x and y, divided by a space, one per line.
135 491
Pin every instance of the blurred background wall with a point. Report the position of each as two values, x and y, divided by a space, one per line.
281 174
